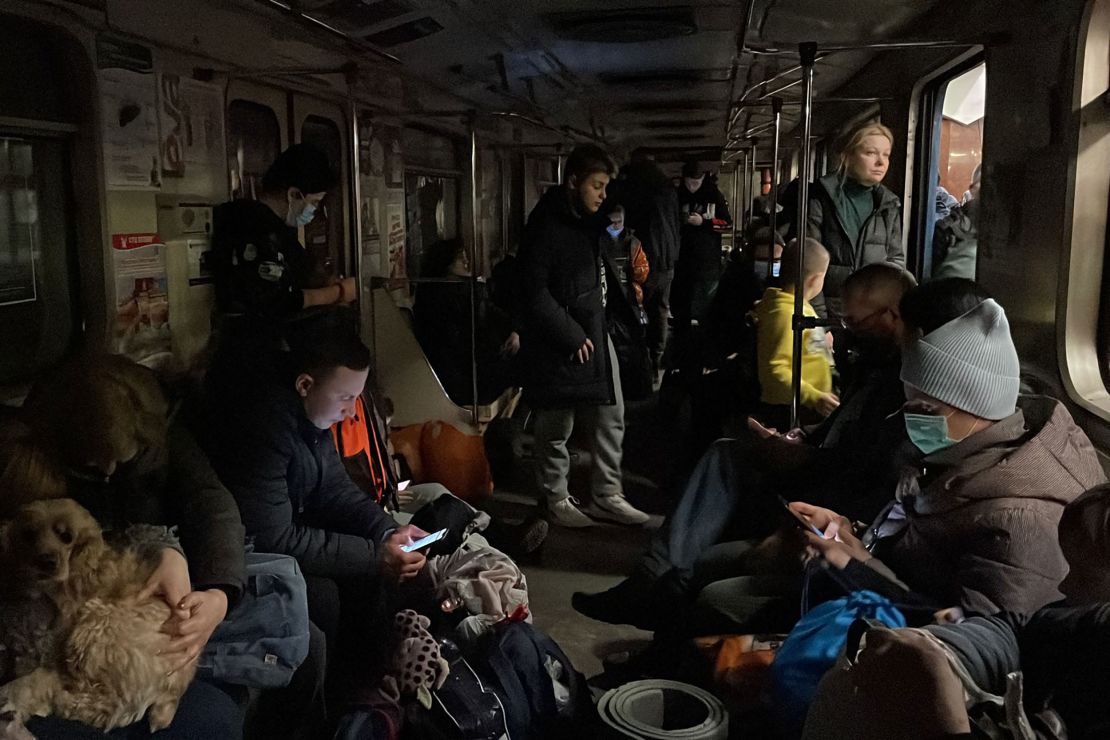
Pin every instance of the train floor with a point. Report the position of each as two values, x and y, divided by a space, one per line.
595 558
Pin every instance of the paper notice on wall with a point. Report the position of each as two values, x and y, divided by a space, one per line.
130 129
142 325
395 244
192 145
371 236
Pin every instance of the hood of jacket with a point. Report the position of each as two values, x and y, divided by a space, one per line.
1037 453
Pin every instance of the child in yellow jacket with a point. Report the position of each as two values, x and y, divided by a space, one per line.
775 337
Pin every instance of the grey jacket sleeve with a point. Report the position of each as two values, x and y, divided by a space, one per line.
895 250
814 218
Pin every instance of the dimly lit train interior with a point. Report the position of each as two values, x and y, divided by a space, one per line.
387 369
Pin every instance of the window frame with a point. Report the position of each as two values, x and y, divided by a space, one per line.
59 135
1084 292
75 161
926 112
231 158
335 204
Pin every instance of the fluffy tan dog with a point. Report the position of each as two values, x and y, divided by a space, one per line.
106 671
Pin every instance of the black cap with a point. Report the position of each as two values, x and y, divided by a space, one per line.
691 168
301 166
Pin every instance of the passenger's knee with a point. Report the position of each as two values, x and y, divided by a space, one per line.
206 711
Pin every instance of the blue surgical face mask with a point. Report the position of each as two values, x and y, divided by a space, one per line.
928 433
300 213
306 215
614 231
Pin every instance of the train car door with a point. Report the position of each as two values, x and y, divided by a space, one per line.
324 125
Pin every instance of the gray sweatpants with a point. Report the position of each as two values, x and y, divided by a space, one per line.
553 428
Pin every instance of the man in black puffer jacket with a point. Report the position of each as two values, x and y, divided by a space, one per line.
570 365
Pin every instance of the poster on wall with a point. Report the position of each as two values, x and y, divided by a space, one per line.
142 322
128 111
191 126
395 245
371 236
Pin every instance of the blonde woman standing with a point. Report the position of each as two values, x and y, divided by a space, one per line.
856 217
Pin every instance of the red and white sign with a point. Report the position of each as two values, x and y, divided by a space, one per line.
134 241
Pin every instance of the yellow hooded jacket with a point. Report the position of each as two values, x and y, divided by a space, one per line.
775 351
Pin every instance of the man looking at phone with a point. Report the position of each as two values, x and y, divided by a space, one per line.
273 451
704 214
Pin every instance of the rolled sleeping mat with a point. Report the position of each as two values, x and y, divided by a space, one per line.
663 710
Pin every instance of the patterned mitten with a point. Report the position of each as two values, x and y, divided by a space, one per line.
417 663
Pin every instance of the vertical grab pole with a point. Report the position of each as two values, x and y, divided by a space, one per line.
776 108
474 417
735 198
369 333
755 171
808 53
746 190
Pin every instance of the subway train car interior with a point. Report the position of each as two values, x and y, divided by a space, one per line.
381 369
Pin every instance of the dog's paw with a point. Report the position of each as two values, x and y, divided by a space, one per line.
160 715
12 727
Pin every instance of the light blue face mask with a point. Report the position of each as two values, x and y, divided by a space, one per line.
304 216
928 433
614 231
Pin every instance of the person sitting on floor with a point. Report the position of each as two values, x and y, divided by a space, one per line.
99 430
967 668
974 524
273 450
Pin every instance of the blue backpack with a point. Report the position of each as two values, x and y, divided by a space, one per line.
812 647
264 638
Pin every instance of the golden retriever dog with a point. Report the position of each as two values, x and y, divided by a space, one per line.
106 670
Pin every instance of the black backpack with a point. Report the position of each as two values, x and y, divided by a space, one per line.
464 708
516 658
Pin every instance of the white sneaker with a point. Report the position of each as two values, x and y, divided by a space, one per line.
566 513
616 508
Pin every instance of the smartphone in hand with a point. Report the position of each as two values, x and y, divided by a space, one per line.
423 542
802 521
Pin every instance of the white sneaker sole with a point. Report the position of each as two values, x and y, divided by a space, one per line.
556 521
609 516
